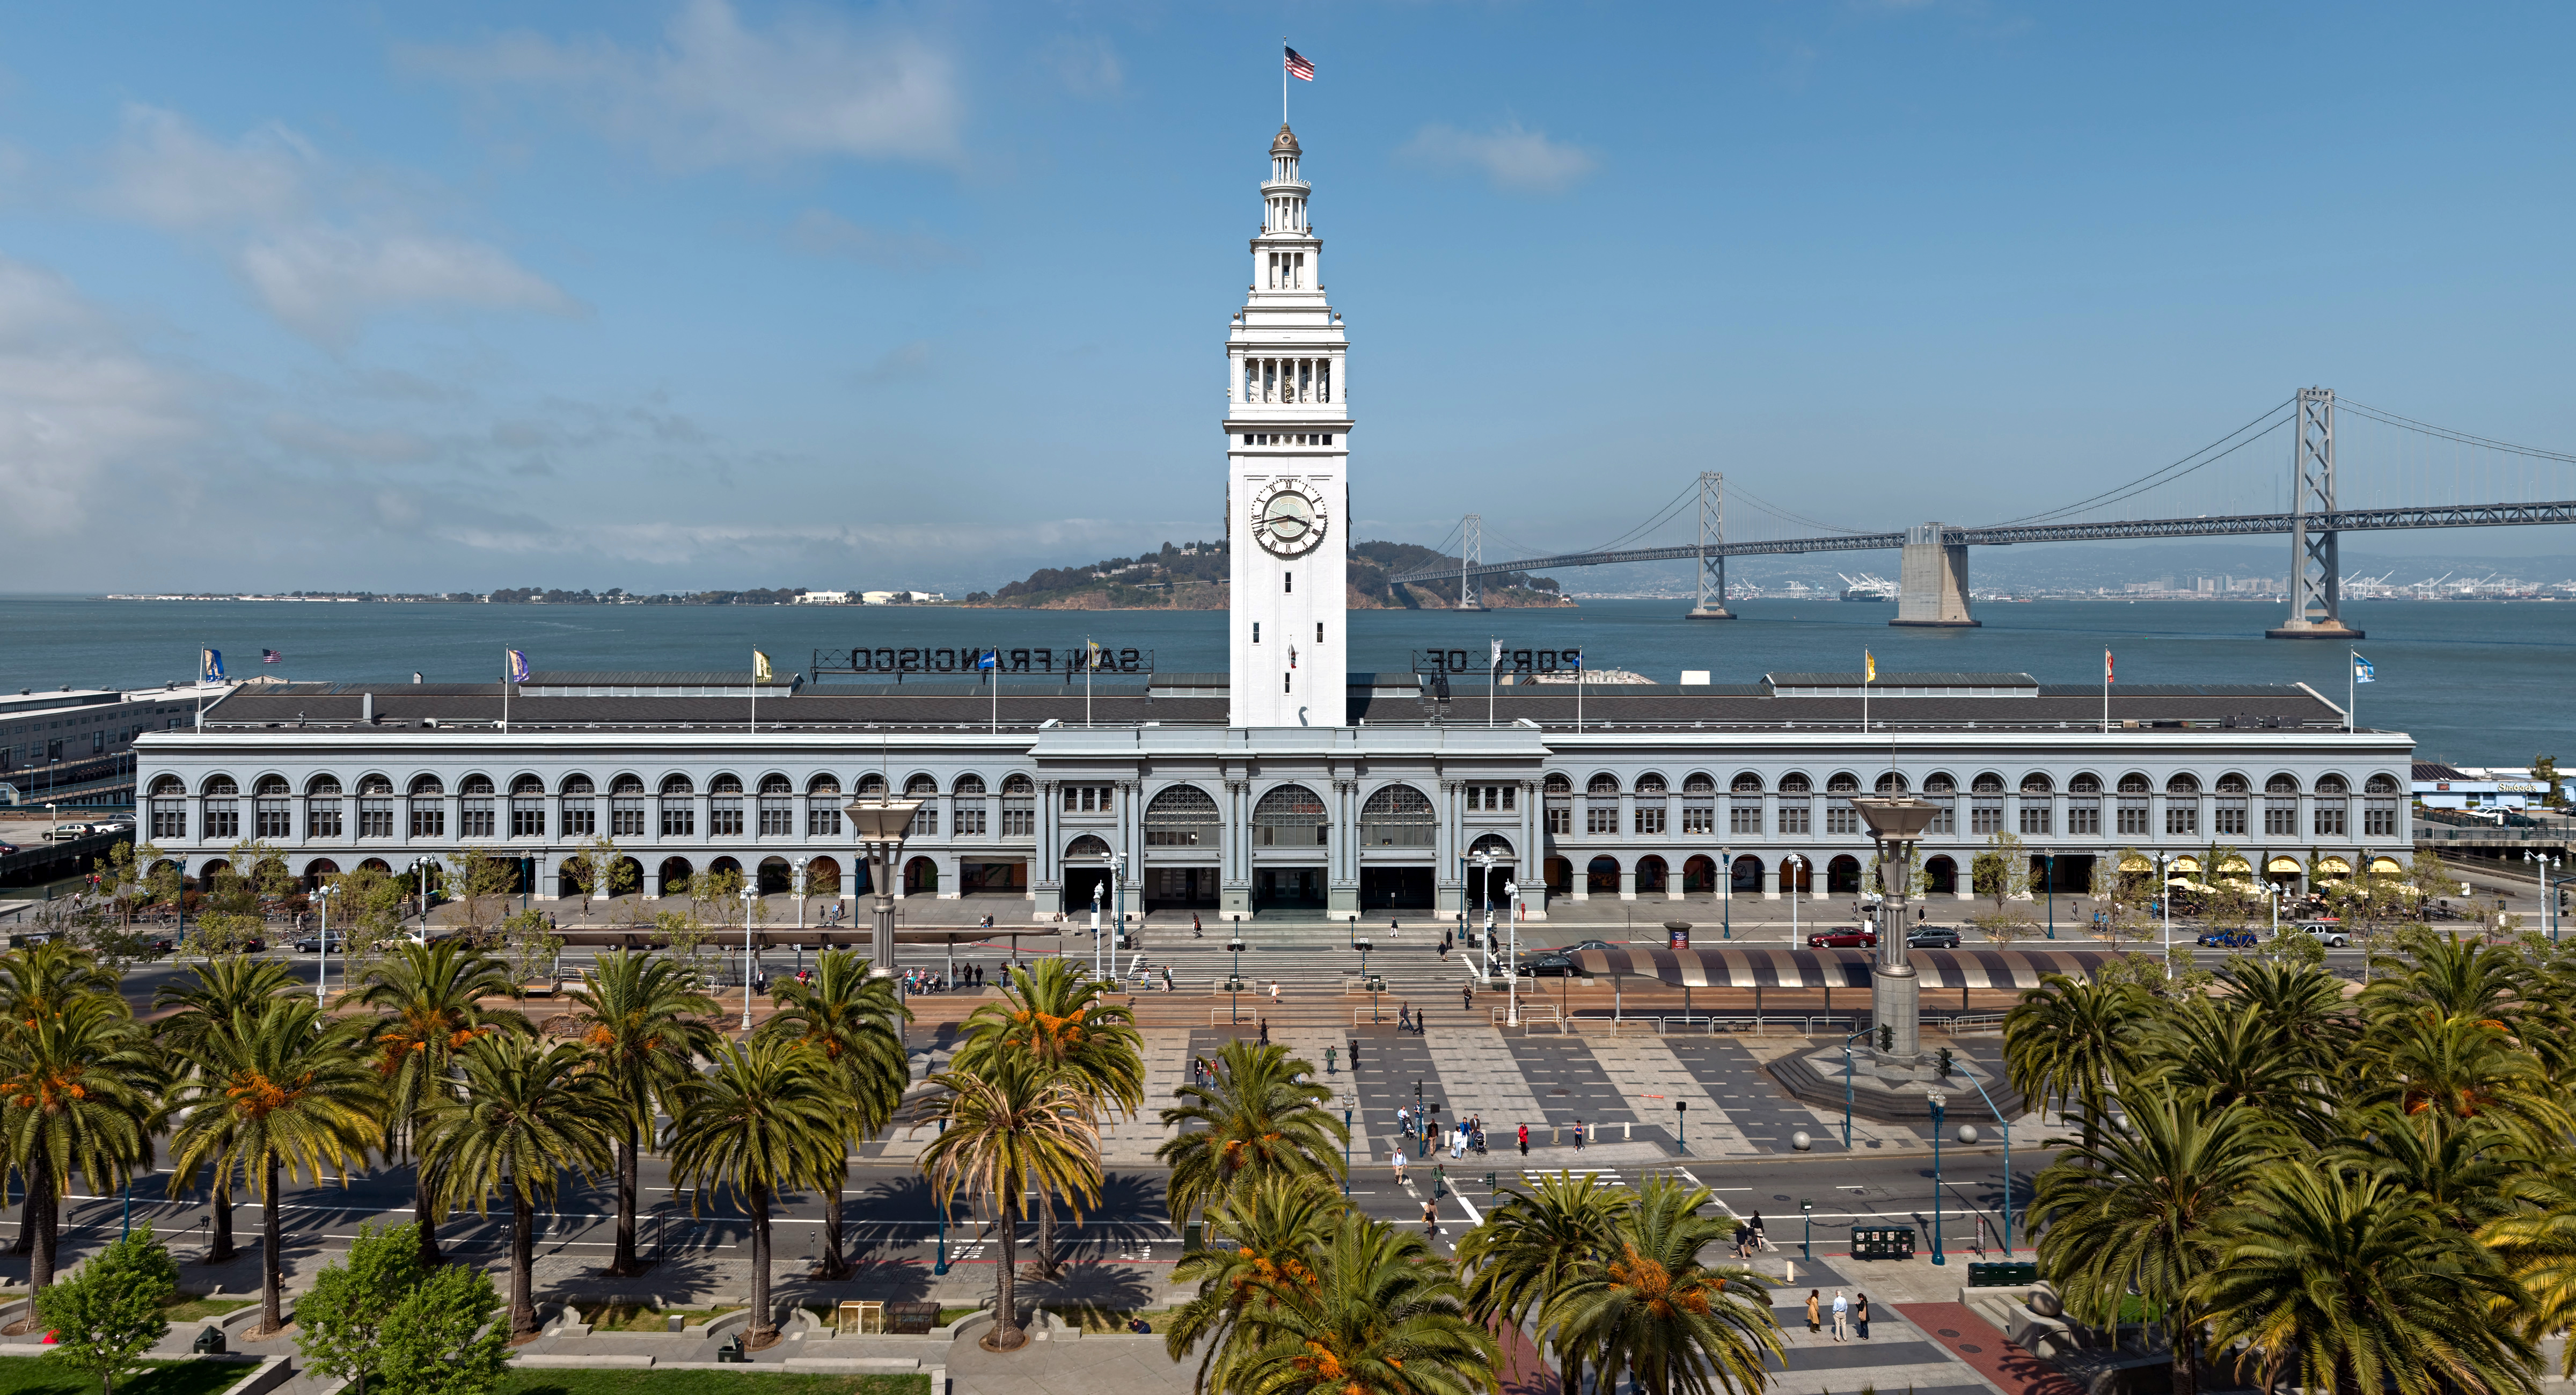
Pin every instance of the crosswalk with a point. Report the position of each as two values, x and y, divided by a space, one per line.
1601 1176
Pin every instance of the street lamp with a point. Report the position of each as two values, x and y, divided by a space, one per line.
1807 1246
1512 959
322 966
2006 1125
1098 889
750 897
2164 902
1790 866
881 824
1936 1099
1895 990
2048 873
1348 1101
799 875
1726 891
1234 980
1681 1114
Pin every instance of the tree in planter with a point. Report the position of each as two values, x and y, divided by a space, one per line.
1060 1018
643 1021
2544 772
341 1322
1013 1127
382 1318
532 945
484 886
2001 874
524 1117
857 1023
2431 881
765 1121
428 1000
602 865
224 994
76 1095
290 1092
367 905
108 1313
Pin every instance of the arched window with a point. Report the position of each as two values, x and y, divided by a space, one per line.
824 784
1556 783
1891 783
579 784
225 785
2380 784
774 783
168 786
872 787
2232 783
2332 784
2136 782
1020 785
475 784
1746 782
1600 785
426 785
1794 783
527 785
375 785
677 784
2281 784
2036 783
1183 816
1987 782
726 783
1492 845
270 786
970 786
323 786
1940 782
1087 847
1290 817
1842 782
1699 782
2186 784
1650 784
2085 782
1398 816
920 787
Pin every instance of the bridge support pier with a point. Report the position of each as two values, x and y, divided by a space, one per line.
1932 589
2316 570
1712 566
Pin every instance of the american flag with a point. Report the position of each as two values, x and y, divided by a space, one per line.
270 656
1300 67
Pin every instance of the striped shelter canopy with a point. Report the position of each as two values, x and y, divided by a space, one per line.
1741 965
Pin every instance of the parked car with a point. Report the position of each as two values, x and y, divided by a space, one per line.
66 832
311 943
1548 964
7 848
1932 937
1576 948
2229 939
1848 937
2325 932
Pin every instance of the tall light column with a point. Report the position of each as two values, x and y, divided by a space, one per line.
881 824
1895 990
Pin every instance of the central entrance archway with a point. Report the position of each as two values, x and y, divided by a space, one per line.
1288 889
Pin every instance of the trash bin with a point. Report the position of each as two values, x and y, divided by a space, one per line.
210 1342
1677 933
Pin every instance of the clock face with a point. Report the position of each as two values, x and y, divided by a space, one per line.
1288 518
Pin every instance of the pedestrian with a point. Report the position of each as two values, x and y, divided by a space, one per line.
1265 1031
1399 1167
1458 1142
1860 1314
1743 1235
1404 1017
1759 1239
1466 997
1274 990
1842 1317
1404 1121
1815 1312
1578 1135
1431 1220
1524 1140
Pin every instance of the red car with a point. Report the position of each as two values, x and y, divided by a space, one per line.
1846 938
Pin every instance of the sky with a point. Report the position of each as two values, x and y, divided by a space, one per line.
686 294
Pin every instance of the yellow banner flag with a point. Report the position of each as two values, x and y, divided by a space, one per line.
759 667
1869 668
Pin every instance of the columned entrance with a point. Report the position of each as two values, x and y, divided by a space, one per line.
1397 889
1180 888
1288 888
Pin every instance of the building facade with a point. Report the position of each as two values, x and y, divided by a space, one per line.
1289 786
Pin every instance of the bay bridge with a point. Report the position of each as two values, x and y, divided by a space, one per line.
2404 462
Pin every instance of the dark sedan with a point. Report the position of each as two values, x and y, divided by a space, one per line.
2229 939
1579 948
1549 965
1849 937
1932 937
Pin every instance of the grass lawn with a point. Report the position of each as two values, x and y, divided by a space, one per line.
622 1318
624 1382
46 1375
188 1307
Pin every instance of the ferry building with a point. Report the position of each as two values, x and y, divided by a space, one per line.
1288 785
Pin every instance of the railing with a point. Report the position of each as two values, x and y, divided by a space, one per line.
2551 835
1531 1014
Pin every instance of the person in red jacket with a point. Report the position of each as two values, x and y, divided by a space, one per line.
1524 1140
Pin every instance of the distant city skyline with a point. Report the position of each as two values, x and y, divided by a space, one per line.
700 295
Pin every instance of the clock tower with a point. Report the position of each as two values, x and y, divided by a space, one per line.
1287 426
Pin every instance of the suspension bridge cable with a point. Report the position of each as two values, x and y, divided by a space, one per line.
1735 491
2446 433
2171 472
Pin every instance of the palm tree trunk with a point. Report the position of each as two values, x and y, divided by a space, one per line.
624 1264
1006 1297
40 1207
1047 1266
763 1331
834 1266
424 1214
523 1265
222 1247
272 1315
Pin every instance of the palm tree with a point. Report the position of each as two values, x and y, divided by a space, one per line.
763 1122
1384 1316
1056 1015
34 981
2068 1040
1006 1129
76 1089
643 1023
1272 1231
2229 1053
1653 1312
291 1091
2538 1247
428 1001
1258 1119
2447 977
2140 1212
224 988
2470 1174
524 1117
856 1022
2302 1003
1535 1245
2343 1282
2464 1069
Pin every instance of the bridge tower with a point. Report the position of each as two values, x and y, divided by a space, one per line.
1471 554
1288 498
1712 565
2316 573
1932 585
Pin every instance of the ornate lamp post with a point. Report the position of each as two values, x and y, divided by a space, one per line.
1936 1099
322 966
881 824
1895 991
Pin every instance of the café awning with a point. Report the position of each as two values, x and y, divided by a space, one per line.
1741 965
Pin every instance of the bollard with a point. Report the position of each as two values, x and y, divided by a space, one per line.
1628 1132
1555 1135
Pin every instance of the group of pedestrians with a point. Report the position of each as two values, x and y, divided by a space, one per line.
1847 1314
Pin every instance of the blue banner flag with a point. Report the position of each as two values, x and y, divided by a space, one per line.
517 664
990 658
212 666
2362 671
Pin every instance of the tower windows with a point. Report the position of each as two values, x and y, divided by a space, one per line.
1288 380
1319 632
1256 632
1291 579
1287 683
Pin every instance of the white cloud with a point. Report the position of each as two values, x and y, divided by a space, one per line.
826 234
1514 159
316 242
164 172
322 281
78 404
715 91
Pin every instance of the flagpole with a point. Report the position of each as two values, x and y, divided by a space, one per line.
505 690
2106 692
2352 690
1283 80
1864 689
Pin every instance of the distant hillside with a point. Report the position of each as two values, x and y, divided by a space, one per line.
1192 576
